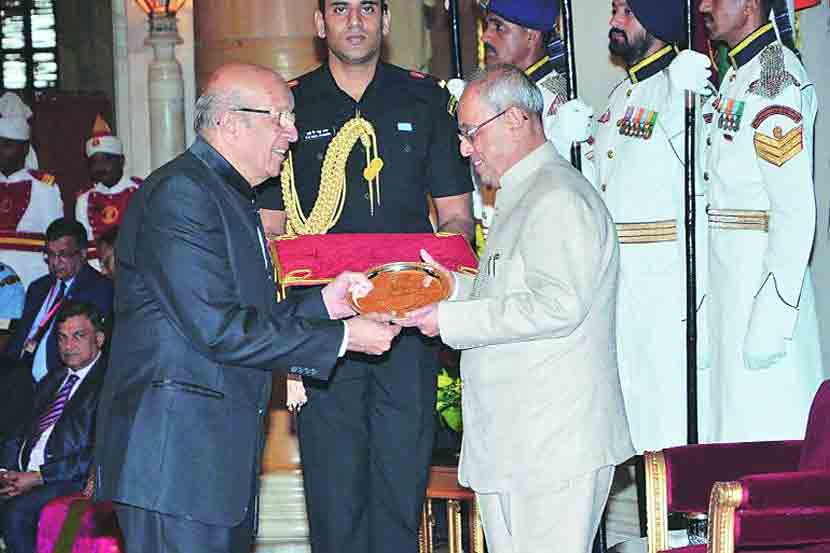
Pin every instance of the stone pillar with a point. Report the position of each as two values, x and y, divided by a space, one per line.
166 92
279 34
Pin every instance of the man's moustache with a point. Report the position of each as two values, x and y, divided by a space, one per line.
488 49
620 32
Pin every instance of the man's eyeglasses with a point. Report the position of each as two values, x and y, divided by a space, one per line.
283 118
469 134
59 256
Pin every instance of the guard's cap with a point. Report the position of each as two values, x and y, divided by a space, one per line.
665 19
534 14
103 140
14 117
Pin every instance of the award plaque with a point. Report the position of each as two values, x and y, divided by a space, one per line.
402 287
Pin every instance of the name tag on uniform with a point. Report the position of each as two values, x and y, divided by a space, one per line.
317 134
405 127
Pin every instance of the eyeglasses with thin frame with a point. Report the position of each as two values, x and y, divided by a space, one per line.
284 118
470 134
59 256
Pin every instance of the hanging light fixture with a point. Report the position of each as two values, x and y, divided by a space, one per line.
160 8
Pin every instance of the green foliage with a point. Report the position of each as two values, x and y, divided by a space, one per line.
448 400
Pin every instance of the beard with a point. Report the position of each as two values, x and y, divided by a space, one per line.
631 51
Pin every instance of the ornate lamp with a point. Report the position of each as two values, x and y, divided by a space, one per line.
165 83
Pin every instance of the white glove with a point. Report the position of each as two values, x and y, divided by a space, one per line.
573 122
765 342
456 87
690 70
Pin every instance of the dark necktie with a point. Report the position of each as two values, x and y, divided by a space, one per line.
55 409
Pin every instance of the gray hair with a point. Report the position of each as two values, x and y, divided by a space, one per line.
503 86
210 106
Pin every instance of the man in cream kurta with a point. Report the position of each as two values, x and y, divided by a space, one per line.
640 145
766 355
544 422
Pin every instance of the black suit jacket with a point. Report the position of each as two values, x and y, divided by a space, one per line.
197 330
69 448
89 286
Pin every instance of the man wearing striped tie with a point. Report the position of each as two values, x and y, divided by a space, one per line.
50 456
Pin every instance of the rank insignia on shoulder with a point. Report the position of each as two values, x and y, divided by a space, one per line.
779 148
417 74
637 122
774 75
43 177
731 112
452 105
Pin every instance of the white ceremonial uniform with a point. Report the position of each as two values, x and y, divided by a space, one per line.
640 158
762 216
44 206
82 203
554 88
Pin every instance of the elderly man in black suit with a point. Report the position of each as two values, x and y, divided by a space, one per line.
198 330
50 456
32 351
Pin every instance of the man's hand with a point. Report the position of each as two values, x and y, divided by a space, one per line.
425 318
337 292
428 259
690 70
13 483
371 333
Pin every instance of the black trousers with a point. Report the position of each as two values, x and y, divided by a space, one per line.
152 532
366 441
19 515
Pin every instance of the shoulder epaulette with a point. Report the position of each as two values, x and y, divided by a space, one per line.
556 84
774 76
9 280
43 176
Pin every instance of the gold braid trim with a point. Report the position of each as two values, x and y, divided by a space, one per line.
332 194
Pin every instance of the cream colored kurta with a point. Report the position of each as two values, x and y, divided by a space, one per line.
45 205
541 393
640 159
762 159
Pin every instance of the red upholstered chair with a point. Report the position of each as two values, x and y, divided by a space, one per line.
74 524
771 497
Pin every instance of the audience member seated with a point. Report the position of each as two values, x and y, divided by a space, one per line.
11 295
105 244
50 455
32 351
29 199
102 206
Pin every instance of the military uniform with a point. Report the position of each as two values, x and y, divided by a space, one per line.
29 202
639 152
12 294
554 88
100 208
366 437
762 218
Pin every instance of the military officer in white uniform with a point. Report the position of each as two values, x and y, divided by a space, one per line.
29 199
523 34
766 355
639 154
101 207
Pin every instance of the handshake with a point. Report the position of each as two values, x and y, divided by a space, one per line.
373 333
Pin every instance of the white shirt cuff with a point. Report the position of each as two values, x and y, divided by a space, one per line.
345 341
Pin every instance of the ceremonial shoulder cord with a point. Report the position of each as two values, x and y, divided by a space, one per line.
332 194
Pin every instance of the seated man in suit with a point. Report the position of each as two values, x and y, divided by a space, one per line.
50 456
32 351
70 277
